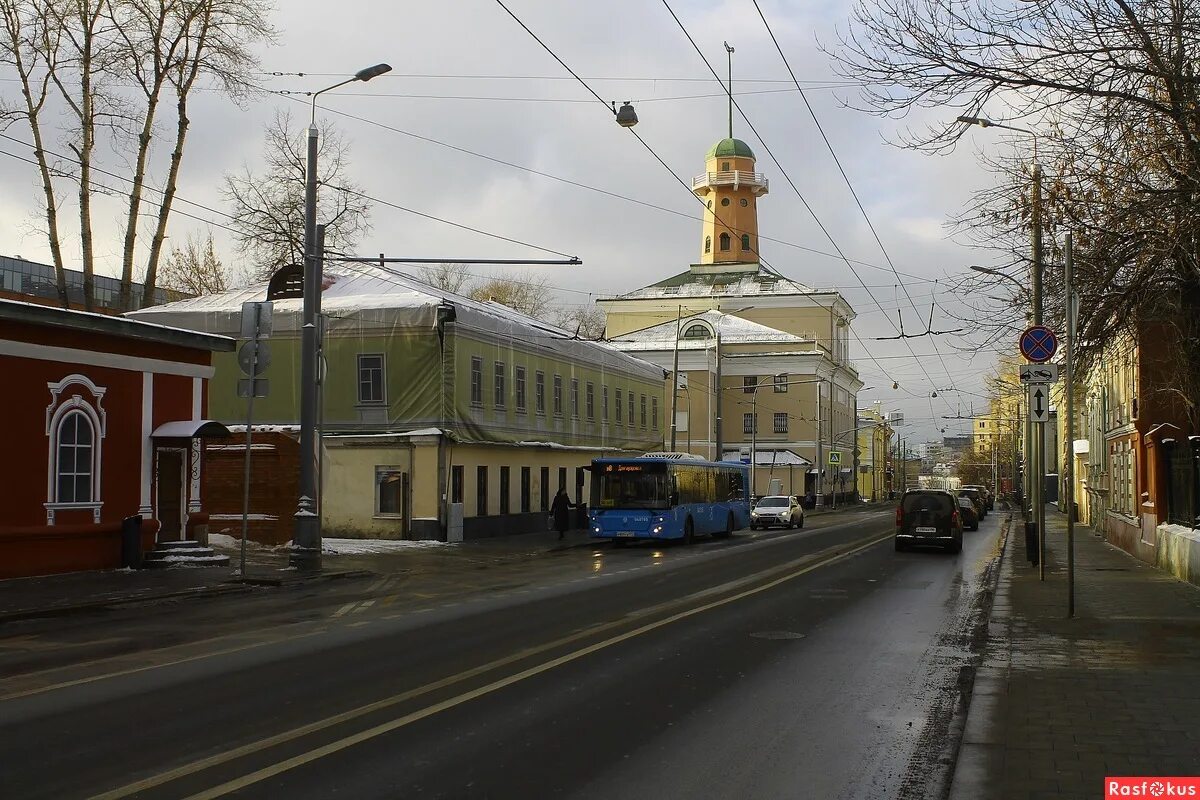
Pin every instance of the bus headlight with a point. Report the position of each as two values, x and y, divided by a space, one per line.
656 529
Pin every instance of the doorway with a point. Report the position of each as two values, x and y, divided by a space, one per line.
168 494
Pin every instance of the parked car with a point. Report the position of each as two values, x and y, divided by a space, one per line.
970 515
929 517
976 498
989 498
777 510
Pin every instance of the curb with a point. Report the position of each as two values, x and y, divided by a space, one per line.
973 756
95 605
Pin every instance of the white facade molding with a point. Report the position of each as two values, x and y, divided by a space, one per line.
91 358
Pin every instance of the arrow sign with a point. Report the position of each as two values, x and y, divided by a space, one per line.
1039 403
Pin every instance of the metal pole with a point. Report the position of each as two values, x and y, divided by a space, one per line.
820 455
320 378
249 437
1069 467
306 531
754 440
720 454
1038 432
675 382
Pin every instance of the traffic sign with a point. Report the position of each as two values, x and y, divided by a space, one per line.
252 387
1039 402
254 357
1039 373
835 457
1038 344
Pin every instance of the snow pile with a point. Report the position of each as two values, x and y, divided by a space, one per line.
355 547
224 541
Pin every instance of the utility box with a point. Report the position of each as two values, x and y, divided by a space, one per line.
454 522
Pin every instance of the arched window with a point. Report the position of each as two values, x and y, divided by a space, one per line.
697 332
724 242
76 440
708 244
745 241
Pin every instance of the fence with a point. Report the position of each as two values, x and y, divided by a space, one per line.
1183 481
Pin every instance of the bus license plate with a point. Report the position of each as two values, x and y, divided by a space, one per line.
926 530
625 533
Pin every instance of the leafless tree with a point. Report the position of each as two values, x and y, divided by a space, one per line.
74 60
449 277
194 269
586 321
268 207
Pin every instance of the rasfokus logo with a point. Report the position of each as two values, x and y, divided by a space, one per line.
1151 787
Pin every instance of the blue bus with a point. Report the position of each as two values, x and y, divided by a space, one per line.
667 496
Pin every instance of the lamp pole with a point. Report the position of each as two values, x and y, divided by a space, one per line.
306 531
675 382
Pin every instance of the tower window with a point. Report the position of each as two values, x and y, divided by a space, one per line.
745 202
745 241
710 204
724 201
708 244
725 166
724 242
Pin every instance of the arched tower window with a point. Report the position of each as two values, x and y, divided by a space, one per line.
707 244
745 241
724 242
74 465
697 331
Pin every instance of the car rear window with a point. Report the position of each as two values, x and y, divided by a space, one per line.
927 502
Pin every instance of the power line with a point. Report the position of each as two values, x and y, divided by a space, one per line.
485 98
628 79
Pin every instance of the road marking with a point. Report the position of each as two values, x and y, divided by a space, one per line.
346 716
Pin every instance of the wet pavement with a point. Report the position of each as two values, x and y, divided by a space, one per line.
1059 703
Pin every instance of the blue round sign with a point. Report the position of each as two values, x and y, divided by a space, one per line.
1038 344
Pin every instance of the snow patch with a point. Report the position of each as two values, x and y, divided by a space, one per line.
349 547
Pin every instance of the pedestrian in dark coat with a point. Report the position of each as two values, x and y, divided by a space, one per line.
560 511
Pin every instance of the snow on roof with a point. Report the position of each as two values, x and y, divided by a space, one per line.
154 330
734 330
697 284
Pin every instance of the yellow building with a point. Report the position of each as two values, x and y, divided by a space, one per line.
874 439
763 360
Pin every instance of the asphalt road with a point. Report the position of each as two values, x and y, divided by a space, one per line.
812 664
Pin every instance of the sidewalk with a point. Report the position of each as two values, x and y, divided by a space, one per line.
1059 704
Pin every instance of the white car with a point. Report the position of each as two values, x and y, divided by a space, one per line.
777 510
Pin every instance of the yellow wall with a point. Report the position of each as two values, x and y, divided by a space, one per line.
349 493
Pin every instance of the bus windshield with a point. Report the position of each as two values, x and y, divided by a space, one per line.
642 488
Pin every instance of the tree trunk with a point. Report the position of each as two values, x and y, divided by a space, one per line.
164 208
135 200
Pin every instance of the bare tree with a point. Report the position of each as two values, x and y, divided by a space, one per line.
194 269
525 293
585 321
448 277
268 208
74 55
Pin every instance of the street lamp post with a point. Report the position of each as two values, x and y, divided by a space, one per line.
306 532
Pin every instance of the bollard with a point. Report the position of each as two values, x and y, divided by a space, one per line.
1031 543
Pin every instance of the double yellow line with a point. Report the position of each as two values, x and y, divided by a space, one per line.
792 570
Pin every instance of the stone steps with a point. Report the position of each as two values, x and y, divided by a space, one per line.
183 554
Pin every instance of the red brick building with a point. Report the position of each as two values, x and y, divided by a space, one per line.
104 417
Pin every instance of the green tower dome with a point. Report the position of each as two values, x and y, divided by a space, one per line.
730 147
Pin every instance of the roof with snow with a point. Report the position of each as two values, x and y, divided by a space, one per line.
90 322
734 330
760 283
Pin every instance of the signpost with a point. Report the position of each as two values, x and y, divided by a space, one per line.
1038 344
254 357
1039 402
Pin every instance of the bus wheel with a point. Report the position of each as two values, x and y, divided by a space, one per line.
689 533
725 534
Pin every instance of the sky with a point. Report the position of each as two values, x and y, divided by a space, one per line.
446 57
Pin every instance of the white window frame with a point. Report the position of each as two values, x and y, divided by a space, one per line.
382 399
382 470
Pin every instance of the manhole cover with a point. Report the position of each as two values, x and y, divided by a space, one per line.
777 635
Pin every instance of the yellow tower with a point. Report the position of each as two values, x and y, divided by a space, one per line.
730 189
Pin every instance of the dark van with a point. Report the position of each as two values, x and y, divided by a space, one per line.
929 517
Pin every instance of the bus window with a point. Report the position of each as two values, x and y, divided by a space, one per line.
631 489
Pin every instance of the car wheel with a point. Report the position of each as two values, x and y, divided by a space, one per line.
975 527
899 546
801 525
956 545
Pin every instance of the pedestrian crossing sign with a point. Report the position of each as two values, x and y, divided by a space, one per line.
835 458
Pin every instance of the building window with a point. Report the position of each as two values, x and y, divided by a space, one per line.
476 381
708 239
749 423
604 403
654 413
749 384
519 379
744 202
781 383
481 487
526 490
745 241
499 396
724 242
370 378
558 398
697 332
504 490
389 492
619 406
631 423
643 405
781 423
76 438
545 478
456 483
539 392
562 478
574 397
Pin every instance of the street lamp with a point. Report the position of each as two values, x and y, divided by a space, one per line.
306 532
